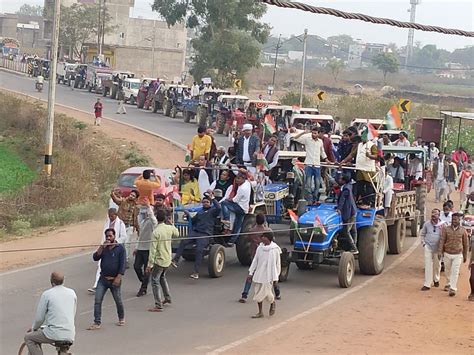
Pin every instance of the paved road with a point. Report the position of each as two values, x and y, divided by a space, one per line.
174 129
204 314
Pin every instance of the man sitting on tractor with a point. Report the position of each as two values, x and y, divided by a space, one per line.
238 203
202 228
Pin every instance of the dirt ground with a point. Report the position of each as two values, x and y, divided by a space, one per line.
390 315
162 153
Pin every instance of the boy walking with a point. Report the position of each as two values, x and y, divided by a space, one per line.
98 112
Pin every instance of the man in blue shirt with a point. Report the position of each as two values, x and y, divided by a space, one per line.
112 258
346 207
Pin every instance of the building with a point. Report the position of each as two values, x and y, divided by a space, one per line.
27 30
146 47
354 59
361 54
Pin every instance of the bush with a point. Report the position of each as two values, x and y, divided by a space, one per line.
20 227
135 158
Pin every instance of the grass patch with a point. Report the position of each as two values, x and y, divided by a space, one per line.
14 173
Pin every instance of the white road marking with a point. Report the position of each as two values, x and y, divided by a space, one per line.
315 309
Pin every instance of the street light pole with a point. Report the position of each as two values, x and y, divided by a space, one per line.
276 60
305 37
48 147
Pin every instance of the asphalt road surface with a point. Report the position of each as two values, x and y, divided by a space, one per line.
174 129
205 314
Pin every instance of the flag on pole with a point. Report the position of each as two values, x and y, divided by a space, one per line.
369 133
293 217
393 118
262 163
318 226
269 124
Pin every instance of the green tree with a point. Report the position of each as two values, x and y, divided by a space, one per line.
429 57
229 34
336 66
464 56
386 63
79 24
30 10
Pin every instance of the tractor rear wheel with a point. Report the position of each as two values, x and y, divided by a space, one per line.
242 246
285 265
220 123
372 242
396 236
174 111
166 108
346 269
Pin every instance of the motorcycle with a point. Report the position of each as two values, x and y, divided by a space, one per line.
39 86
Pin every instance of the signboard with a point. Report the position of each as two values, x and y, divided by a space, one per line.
206 81
404 105
321 95
238 83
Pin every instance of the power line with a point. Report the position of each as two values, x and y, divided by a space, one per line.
366 18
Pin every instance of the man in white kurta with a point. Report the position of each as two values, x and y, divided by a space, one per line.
264 271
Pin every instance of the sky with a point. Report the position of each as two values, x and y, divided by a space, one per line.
449 13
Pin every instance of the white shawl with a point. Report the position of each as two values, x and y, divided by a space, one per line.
266 265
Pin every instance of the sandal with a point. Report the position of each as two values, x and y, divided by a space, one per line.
258 315
121 323
272 309
155 309
94 326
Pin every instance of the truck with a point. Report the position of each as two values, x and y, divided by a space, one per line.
66 73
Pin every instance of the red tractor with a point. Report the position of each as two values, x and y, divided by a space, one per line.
231 108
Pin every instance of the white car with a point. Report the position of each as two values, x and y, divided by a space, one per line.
130 90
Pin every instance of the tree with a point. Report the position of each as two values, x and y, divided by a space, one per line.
229 34
387 63
341 41
30 10
464 56
335 65
429 57
79 24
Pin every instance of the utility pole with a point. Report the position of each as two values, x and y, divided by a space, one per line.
305 37
104 12
411 31
276 60
99 31
48 147
153 50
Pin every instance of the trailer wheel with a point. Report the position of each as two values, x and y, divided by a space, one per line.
216 261
396 236
415 224
346 269
242 246
421 202
372 243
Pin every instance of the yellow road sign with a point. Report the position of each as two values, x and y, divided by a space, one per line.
321 95
404 105
238 83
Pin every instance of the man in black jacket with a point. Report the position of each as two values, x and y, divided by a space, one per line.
346 207
202 228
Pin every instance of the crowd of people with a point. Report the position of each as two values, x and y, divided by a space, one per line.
140 227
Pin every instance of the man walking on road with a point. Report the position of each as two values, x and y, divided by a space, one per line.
440 172
98 112
255 238
142 250
264 273
56 311
112 264
430 235
453 247
160 260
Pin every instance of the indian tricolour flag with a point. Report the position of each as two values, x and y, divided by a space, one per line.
294 219
319 225
269 124
393 118
369 133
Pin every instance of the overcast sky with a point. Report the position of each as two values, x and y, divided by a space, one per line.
449 13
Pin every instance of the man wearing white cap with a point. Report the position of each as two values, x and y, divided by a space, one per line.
247 148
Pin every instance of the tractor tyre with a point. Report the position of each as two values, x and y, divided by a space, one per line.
113 95
132 100
415 224
155 106
216 261
140 101
174 111
421 202
396 236
166 108
372 242
242 246
346 269
303 265
285 265
187 116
